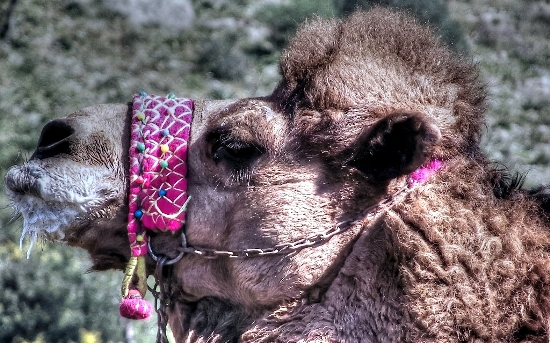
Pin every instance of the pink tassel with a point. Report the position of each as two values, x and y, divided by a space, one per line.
135 307
423 173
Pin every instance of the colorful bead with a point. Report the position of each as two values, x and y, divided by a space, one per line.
164 148
165 132
138 214
142 94
171 96
163 164
140 146
140 116
162 192
140 180
139 238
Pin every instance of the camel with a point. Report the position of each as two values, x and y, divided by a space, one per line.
352 204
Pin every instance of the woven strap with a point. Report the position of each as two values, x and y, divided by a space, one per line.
160 131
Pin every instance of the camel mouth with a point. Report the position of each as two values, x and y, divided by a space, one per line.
49 210
21 181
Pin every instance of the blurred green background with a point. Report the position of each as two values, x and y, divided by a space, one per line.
57 56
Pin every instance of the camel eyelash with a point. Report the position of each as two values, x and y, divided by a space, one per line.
234 153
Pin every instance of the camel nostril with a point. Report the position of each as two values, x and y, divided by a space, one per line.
53 140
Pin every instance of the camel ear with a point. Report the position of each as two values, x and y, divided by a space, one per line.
395 145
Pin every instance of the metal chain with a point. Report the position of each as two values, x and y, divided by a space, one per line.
279 249
161 291
307 242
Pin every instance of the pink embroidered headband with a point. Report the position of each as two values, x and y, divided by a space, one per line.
160 128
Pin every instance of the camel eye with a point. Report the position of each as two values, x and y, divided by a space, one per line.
235 151
238 154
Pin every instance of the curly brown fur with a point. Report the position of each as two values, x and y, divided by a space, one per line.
338 73
504 183
473 265
208 320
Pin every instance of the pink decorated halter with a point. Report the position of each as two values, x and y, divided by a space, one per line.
157 198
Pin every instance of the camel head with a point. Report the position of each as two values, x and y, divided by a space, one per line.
250 181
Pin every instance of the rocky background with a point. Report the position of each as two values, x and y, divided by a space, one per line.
57 56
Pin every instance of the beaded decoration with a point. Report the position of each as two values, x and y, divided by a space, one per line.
157 198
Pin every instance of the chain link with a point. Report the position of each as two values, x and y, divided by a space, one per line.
279 249
161 292
307 242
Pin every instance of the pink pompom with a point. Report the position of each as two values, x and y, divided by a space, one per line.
423 173
135 307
